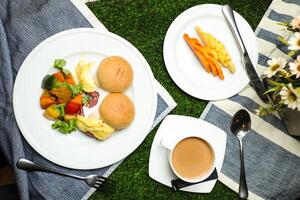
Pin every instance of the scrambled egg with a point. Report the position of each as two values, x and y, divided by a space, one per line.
218 49
96 127
82 69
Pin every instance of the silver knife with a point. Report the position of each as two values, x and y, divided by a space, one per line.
252 75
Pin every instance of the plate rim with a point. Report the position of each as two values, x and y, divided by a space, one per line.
179 82
43 44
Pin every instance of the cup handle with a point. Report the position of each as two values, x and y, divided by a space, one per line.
166 144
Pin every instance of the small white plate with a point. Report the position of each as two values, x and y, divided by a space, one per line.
159 168
76 150
185 69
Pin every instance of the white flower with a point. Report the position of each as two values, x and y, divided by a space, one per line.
275 65
257 112
290 97
295 23
294 41
295 67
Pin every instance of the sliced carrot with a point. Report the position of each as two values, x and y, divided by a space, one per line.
60 76
209 59
203 61
205 51
70 79
211 53
219 70
195 45
215 66
196 42
77 99
205 56
220 73
46 101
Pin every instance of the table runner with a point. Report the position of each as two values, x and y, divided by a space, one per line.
271 156
23 25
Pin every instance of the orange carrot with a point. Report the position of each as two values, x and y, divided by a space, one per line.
208 58
60 76
77 99
219 70
70 79
211 53
203 61
46 101
215 66
195 45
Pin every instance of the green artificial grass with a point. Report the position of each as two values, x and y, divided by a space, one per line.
144 23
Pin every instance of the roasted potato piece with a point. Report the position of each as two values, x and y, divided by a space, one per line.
62 93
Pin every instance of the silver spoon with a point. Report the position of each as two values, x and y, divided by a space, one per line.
240 126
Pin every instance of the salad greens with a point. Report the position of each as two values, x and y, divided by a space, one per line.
86 99
75 89
65 126
60 64
63 99
61 109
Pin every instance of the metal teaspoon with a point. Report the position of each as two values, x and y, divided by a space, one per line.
240 126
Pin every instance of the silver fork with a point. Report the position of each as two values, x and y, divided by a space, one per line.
92 180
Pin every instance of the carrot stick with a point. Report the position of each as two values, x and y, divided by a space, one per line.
219 70
215 66
220 73
195 45
209 60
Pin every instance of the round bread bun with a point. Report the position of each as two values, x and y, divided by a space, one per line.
117 110
114 74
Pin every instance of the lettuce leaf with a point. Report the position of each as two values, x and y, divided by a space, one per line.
65 127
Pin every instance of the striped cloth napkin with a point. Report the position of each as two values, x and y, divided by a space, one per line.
272 159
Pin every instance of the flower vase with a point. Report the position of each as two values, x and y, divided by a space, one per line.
291 120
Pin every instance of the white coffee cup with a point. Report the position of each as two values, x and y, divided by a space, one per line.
170 144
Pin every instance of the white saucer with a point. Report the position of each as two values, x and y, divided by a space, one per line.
159 168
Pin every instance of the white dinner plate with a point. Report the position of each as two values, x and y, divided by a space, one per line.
184 67
175 126
77 150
